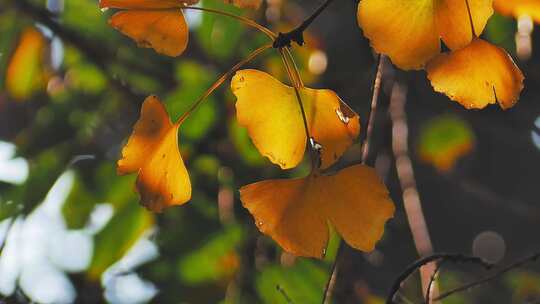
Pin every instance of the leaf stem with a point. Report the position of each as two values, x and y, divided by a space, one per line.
330 284
222 79
242 19
294 76
470 18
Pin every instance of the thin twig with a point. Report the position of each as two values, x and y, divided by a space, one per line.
297 34
516 264
449 257
221 79
242 19
330 284
374 102
284 294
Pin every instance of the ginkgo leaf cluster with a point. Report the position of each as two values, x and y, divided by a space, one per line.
287 123
474 73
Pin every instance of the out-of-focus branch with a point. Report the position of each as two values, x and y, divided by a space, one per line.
405 171
101 56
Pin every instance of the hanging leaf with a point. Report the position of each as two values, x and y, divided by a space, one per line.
271 113
477 75
153 24
409 32
152 151
296 212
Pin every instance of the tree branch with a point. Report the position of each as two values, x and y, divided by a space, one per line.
500 272
447 257
297 34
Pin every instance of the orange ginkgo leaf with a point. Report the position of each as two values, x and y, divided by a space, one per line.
157 24
518 8
25 72
409 31
477 75
270 111
152 151
252 4
296 212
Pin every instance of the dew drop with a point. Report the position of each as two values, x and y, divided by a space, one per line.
241 79
324 252
342 117
260 223
103 10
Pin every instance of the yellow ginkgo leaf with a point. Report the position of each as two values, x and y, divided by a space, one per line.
152 151
152 23
518 8
271 113
477 75
409 31
296 212
25 72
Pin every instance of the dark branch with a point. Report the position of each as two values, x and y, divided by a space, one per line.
500 272
449 257
297 34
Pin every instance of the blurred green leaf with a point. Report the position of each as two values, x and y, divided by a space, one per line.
501 31
79 204
194 80
116 190
443 140
86 77
303 282
123 230
206 164
242 143
215 260
79 14
219 36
